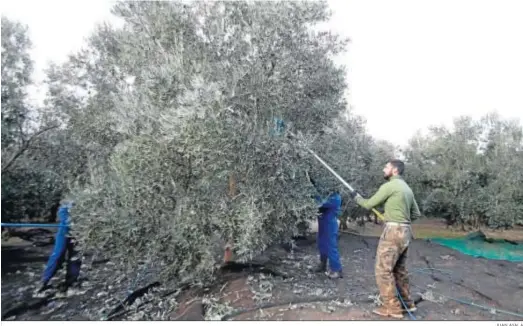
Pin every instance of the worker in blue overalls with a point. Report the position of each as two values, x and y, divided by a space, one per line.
64 251
327 223
329 210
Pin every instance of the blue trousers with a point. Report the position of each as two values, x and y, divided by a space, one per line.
64 253
328 241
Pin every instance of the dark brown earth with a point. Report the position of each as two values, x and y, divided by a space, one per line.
439 276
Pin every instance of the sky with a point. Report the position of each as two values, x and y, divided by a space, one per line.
410 63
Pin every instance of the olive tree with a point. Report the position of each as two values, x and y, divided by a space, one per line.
175 114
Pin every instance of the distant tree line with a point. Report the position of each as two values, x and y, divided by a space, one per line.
471 174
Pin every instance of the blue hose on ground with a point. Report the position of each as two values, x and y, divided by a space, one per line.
484 307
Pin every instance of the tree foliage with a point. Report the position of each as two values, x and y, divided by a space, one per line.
471 174
16 76
30 187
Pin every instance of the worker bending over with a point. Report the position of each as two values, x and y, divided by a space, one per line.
391 256
327 237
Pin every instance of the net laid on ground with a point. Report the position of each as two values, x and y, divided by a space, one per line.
478 245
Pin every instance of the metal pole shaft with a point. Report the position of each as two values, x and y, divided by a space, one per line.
345 183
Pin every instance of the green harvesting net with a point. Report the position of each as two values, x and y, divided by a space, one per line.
478 245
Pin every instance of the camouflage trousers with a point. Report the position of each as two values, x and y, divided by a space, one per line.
391 265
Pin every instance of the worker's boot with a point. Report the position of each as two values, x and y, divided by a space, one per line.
403 290
42 288
391 305
334 275
407 304
62 290
322 266
389 311
411 307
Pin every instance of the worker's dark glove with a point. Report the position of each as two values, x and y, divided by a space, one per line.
354 194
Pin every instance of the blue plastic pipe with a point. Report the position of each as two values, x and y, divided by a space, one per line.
29 225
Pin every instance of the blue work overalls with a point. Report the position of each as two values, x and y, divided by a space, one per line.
63 251
328 230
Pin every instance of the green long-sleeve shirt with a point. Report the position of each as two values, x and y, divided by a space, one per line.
400 204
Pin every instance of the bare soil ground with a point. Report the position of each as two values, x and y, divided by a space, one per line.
440 279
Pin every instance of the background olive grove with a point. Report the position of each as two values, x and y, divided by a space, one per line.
162 132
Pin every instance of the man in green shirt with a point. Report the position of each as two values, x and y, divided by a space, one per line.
391 256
